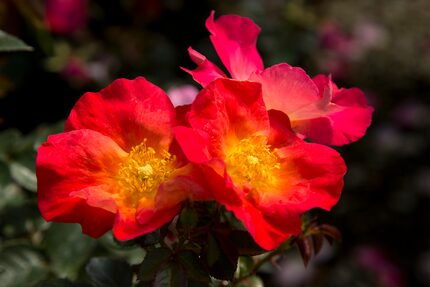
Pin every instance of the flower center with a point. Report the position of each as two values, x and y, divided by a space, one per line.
141 173
253 162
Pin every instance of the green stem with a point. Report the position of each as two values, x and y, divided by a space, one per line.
267 258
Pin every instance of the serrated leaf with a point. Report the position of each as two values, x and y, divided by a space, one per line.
304 245
317 241
193 266
62 243
9 43
225 265
23 176
171 276
20 265
108 272
152 263
330 232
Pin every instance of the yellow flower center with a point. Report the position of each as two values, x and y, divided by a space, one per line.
141 173
251 161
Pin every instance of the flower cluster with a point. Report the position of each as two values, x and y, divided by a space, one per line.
128 160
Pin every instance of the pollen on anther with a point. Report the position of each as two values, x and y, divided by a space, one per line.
251 161
141 173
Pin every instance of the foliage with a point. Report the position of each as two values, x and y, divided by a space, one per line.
385 203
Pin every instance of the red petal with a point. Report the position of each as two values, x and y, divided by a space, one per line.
281 133
229 110
181 113
128 111
130 223
287 89
340 128
82 163
260 229
312 176
347 120
235 39
194 144
206 71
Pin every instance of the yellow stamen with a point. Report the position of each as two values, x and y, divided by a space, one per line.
141 173
251 161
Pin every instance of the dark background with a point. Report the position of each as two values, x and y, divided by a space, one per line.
382 47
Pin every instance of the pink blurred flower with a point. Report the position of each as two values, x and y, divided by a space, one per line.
65 16
373 259
342 48
182 95
75 70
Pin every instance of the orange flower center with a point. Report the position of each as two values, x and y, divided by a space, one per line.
141 173
251 161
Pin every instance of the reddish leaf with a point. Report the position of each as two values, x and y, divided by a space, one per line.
305 247
317 240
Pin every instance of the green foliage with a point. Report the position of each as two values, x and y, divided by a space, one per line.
62 283
9 43
21 265
153 262
62 243
107 272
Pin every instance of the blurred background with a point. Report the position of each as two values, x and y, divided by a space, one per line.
382 46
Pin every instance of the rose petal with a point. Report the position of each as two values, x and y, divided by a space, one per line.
235 39
128 111
345 121
287 89
74 172
229 110
206 71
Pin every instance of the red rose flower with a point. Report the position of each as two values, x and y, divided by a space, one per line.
114 166
285 88
255 165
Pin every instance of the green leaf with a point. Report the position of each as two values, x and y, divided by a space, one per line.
252 281
193 266
23 176
245 265
9 43
189 217
21 219
245 244
107 272
67 248
153 262
128 250
8 141
20 265
213 252
62 283
224 264
171 276
11 195
150 238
